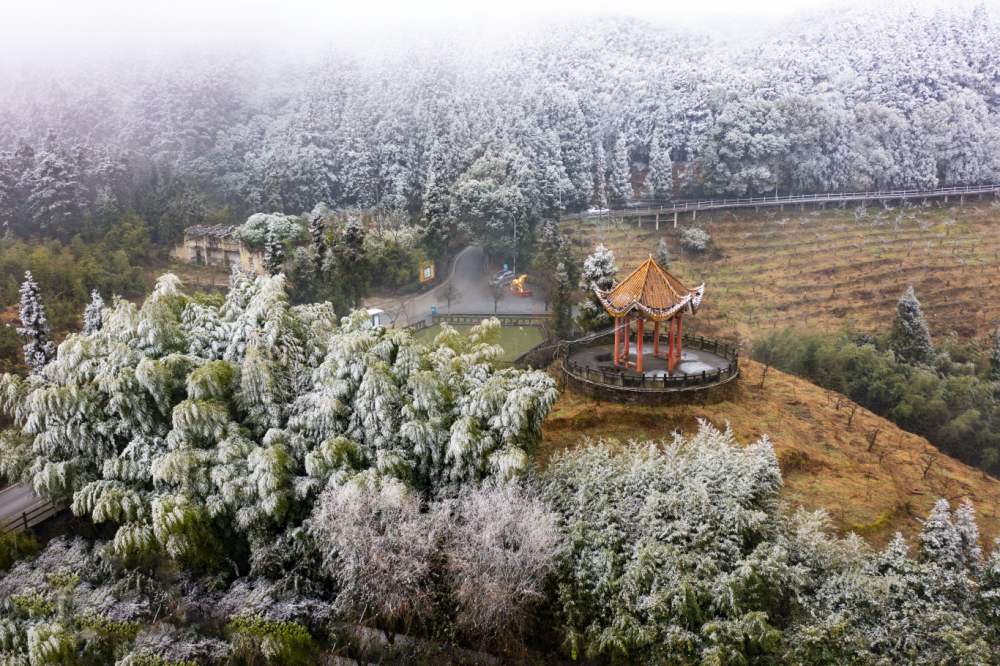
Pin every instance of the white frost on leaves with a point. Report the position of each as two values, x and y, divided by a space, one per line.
186 411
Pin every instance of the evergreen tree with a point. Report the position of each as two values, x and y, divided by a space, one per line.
435 218
562 304
659 181
38 350
995 356
911 341
353 263
662 255
92 315
940 542
274 255
621 187
599 272
317 225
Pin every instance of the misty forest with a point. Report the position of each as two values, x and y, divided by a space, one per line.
270 394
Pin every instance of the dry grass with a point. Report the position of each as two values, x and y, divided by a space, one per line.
874 490
828 268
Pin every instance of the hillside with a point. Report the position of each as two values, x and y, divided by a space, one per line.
873 490
827 268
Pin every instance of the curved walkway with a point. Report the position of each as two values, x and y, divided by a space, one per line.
793 199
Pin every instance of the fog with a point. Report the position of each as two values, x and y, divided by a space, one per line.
53 30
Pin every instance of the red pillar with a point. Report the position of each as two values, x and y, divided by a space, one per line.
680 329
638 358
618 338
626 322
656 338
670 352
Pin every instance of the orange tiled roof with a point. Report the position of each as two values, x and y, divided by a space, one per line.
650 291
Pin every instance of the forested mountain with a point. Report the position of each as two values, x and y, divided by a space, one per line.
876 98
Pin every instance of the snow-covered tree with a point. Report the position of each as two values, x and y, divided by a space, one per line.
187 415
599 271
93 314
274 254
502 545
38 348
381 549
496 194
562 302
258 227
695 239
435 218
911 340
662 254
641 583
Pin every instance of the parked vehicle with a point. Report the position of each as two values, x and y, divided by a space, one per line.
502 277
594 211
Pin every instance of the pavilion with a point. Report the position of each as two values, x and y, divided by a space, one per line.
650 293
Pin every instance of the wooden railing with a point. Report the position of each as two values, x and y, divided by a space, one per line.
31 517
655 382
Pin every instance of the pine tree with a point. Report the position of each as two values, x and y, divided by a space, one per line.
599 272
274 255
562 304
621 187
92 315
662 255
38 350
911 341
435 218
940 541
659 181
317 225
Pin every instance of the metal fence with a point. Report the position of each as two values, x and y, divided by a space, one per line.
652 382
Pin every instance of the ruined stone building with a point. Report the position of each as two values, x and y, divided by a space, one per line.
217 245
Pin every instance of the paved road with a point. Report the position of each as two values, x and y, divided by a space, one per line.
471 281
15 500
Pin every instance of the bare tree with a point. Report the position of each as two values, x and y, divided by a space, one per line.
451 294
380 548
871 435
495 291
927 460
854 408
501 547
406 310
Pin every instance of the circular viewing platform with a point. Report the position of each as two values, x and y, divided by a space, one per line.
704 373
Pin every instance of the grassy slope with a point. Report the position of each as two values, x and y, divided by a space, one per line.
824 268
826 464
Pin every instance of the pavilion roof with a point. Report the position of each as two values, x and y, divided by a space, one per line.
652 292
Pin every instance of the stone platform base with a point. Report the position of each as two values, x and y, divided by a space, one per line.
520 294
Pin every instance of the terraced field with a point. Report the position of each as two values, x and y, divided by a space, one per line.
828 269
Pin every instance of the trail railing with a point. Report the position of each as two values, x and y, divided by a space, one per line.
30 517
774 200
505 319
649 382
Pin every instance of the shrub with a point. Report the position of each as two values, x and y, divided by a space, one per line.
695 239
380 548
501 548
15 546
257 227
